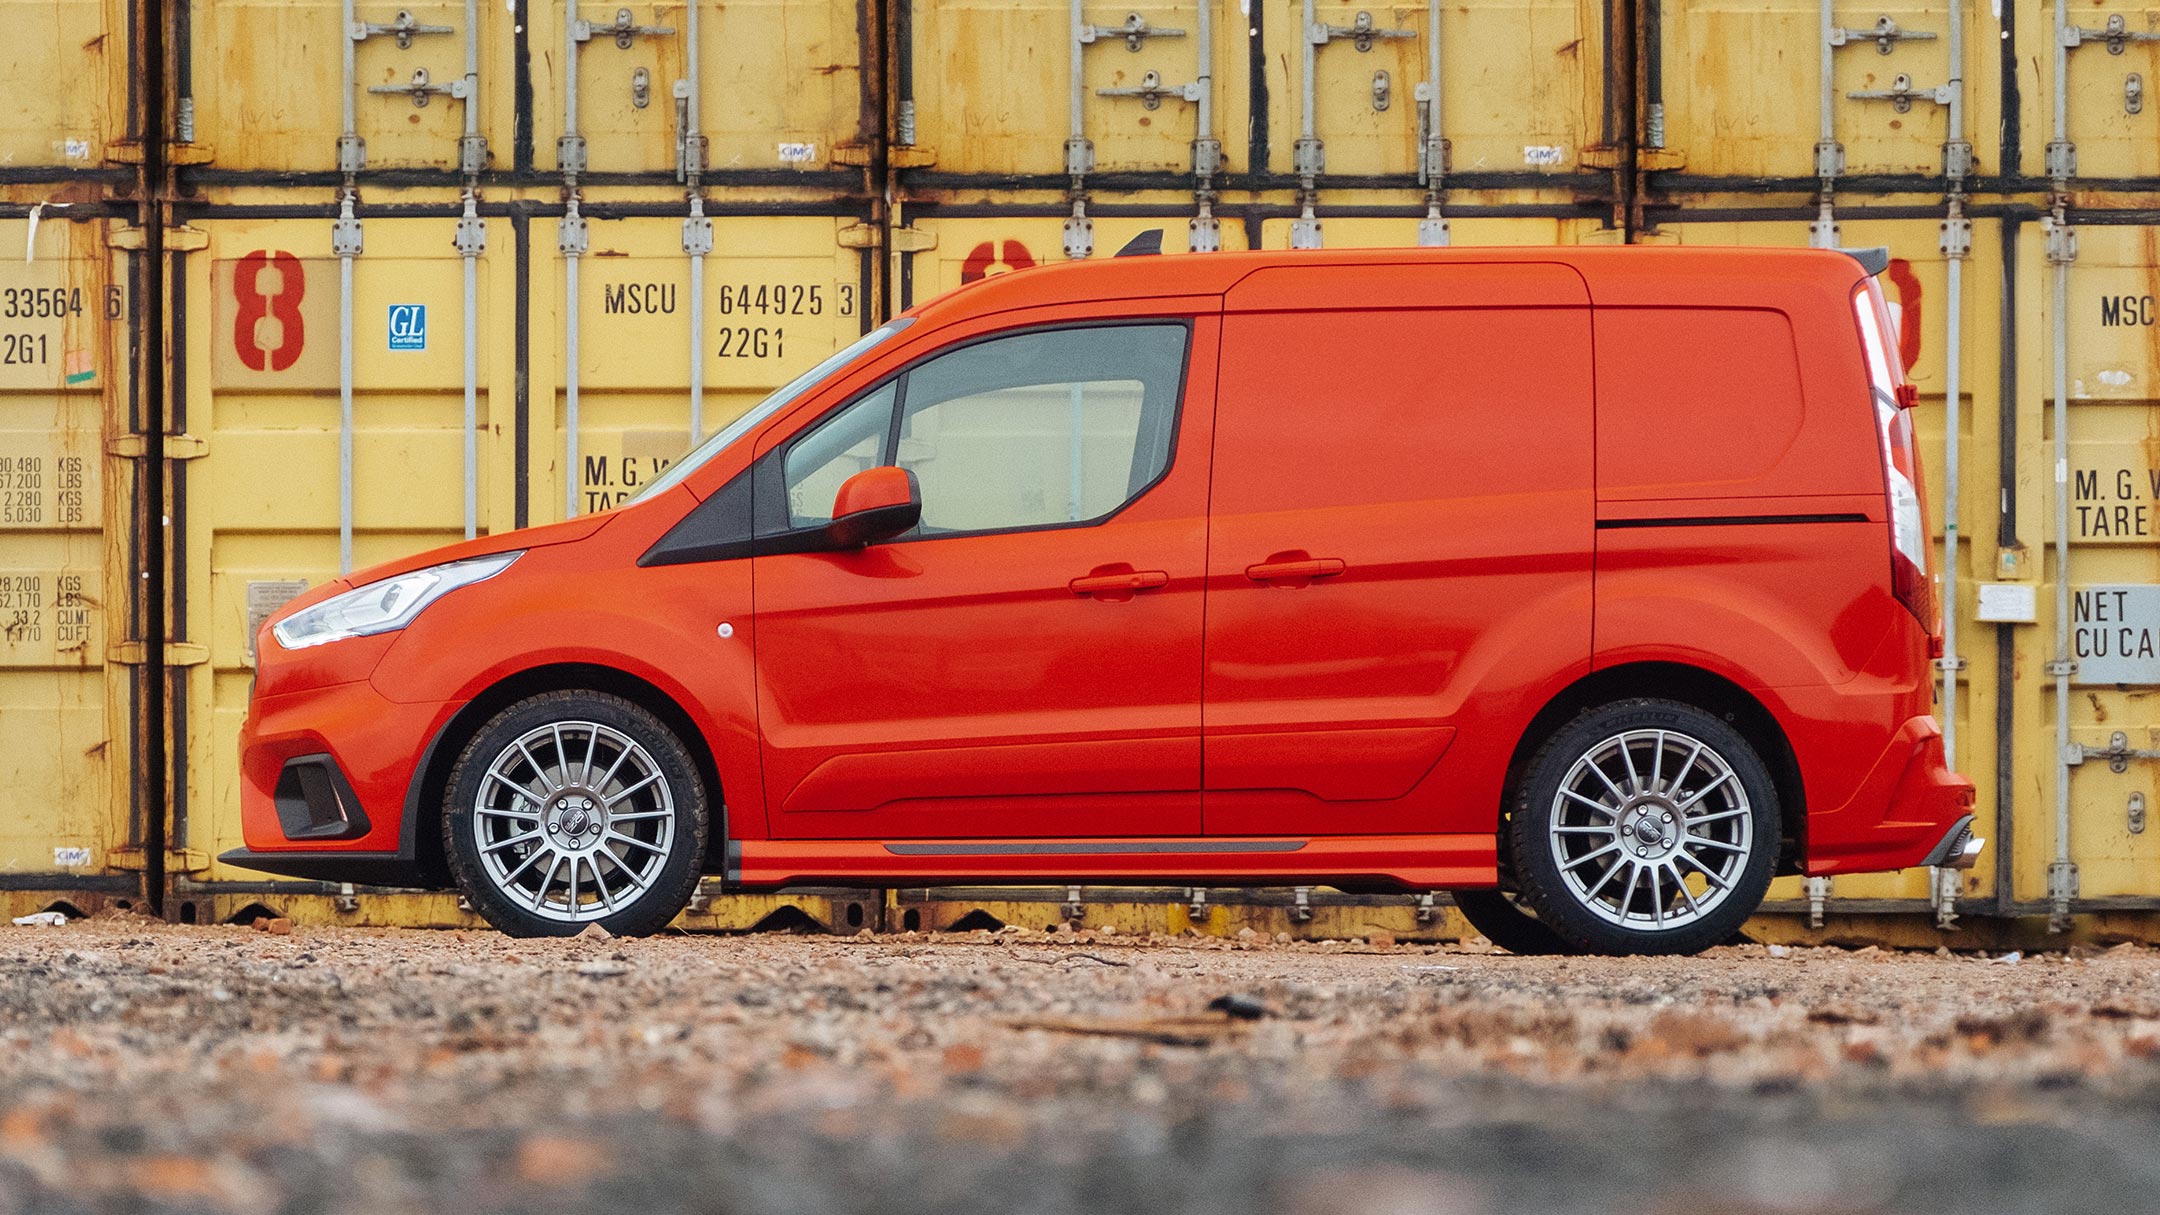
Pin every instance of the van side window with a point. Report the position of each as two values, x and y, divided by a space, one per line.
1042 429
1039 429
818 463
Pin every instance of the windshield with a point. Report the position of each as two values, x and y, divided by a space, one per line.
771 405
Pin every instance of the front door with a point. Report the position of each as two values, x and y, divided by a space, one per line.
1400 539
1026 663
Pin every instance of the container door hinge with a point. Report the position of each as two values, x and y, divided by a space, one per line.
130 152
852 154
1301 905
1074 910
1428 908
177 860
1196 908
177 447
911 240
2134 815
177 654
182 239
861 236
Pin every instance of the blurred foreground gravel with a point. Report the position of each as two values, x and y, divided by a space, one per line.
153 1068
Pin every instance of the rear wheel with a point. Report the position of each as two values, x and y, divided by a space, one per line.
1645 826
575 808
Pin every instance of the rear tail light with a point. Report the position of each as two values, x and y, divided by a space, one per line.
1910 578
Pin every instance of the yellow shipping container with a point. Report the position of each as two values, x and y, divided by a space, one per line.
515 255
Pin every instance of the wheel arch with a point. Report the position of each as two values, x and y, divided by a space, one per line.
1705 690
422 829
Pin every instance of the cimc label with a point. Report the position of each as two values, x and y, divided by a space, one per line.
2115 633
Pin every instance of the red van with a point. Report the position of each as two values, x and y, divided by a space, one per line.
1590 584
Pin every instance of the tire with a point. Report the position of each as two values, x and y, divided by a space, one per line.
1645 827
1496 914
584 778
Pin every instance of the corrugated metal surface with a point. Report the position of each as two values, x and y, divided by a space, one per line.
856 157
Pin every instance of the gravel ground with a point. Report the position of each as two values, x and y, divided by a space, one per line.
149 1067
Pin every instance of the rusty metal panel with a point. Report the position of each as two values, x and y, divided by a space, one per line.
65 510
995 88
1743 93
1521 86
66 65
2112 374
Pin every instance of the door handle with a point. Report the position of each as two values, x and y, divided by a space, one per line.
1124 583
1284 571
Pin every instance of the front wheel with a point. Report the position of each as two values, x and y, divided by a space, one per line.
575 808
1645 827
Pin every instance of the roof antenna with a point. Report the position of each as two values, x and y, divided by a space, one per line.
1874 261
1147 244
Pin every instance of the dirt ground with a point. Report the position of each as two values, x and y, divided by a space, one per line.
153 1068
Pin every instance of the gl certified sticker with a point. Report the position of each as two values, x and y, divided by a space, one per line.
408 326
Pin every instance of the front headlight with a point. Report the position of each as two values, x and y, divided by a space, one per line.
380 607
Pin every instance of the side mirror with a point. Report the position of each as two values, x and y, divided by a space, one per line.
874 504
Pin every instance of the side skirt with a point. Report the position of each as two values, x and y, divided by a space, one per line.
1414 862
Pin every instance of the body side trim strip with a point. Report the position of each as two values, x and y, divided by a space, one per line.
1095 848
1732 520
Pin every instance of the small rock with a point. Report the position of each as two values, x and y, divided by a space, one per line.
1698 1034
279 927
1246 934
593 932
1239 1006
1383 940
962 1058
1864 1053
1780 951
603 970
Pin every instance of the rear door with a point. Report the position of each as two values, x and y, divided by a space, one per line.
1400 540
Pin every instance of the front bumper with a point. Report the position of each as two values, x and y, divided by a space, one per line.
347 821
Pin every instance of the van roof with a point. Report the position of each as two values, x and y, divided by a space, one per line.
1615 275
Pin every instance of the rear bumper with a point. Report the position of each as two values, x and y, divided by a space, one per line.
1959 849
1908 809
